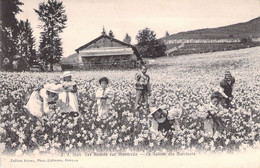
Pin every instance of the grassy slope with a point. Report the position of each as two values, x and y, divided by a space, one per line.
240 30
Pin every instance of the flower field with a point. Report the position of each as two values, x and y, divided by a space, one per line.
187 81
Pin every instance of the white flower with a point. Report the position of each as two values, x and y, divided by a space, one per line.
13 144
127 138
67 148
41 149
67 141
114 142
201 140
135 142
24 147
79 144
151 144
45 136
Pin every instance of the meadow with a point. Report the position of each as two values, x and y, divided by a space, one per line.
186 80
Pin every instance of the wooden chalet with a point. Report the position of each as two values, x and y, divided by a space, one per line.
106 51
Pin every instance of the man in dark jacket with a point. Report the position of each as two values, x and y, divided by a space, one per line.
226 89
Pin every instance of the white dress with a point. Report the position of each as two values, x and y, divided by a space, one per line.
104 104
38 103
69 99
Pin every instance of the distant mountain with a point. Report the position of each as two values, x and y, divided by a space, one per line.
232 37
241 30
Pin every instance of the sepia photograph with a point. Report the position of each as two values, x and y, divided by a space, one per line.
110 83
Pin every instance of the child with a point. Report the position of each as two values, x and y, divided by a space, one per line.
38 103
163 120
213 122
104 96
143 88
69 95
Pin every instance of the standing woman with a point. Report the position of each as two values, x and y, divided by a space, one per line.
69 95
38 104
104 96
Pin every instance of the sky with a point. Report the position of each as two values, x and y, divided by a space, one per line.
86 18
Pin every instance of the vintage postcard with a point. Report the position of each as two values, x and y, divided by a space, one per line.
113 83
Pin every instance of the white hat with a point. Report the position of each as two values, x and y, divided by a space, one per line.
53 88
155 109
66 74
174 113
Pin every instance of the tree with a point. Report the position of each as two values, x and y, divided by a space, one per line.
52 14
8 28
127 39
246 40
26 42
148 45
103 31
167 34
111 34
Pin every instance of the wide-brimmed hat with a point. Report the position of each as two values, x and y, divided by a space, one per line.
174 113
51 87
66 74
155 109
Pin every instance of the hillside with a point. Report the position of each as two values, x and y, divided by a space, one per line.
232 37
240 30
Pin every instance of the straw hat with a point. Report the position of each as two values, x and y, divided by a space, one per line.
155 109
66 74
52 88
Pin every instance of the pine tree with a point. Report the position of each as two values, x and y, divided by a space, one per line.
148 45
26 41
52 14
103 31
8 28
167 34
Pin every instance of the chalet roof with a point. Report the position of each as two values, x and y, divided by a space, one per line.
112 39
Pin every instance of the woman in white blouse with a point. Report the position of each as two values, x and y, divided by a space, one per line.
38 103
